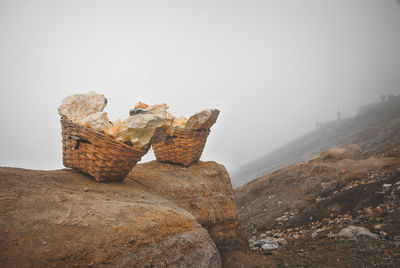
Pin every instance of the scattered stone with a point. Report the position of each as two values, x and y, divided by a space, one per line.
202 120
331 235
383 234
269 243
314 234
353 232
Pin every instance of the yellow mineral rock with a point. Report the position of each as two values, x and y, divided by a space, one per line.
78 106
116 128
141 105
159 110
96 121
179 122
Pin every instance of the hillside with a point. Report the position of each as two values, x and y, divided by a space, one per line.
338 209
363 129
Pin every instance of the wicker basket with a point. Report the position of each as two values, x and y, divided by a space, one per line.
184 147
97 154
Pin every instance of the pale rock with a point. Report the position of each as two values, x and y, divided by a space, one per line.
78 106
159 110
97 121
115 128
333 154
179 122
142 129
269 243
353 151
203 120
354 231
141 105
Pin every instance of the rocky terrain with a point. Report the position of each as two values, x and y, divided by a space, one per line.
365 129
162 215
312 213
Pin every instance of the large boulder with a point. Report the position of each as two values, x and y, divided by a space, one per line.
352 151
203 189
64 218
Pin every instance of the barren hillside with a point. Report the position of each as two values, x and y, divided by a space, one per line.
308 207
363 129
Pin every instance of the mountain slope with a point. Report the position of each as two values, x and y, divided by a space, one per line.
306 207
363 129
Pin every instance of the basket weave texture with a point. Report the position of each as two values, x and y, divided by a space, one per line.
184 147
97 154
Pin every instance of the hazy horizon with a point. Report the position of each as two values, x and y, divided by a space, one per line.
273 68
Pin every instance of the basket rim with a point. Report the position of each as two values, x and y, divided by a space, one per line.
182 130
111 139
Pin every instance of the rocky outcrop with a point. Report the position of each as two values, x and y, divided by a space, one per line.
162 215
352 151
64 218
204 190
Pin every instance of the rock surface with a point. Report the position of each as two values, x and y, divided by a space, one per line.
352 151
202 120
97 121
162 215
78 106
142 129
179 122
63 218
355 231
309 205
203 189
145 125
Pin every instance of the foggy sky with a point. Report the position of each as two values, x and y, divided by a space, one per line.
273 68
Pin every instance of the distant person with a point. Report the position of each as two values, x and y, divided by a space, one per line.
339 115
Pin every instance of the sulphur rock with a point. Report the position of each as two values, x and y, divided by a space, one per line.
141 105
97 121
179 122
159 110
78 106
156 109
142 129
115 128
202 120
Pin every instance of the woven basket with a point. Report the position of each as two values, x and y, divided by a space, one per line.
97 154
184 147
